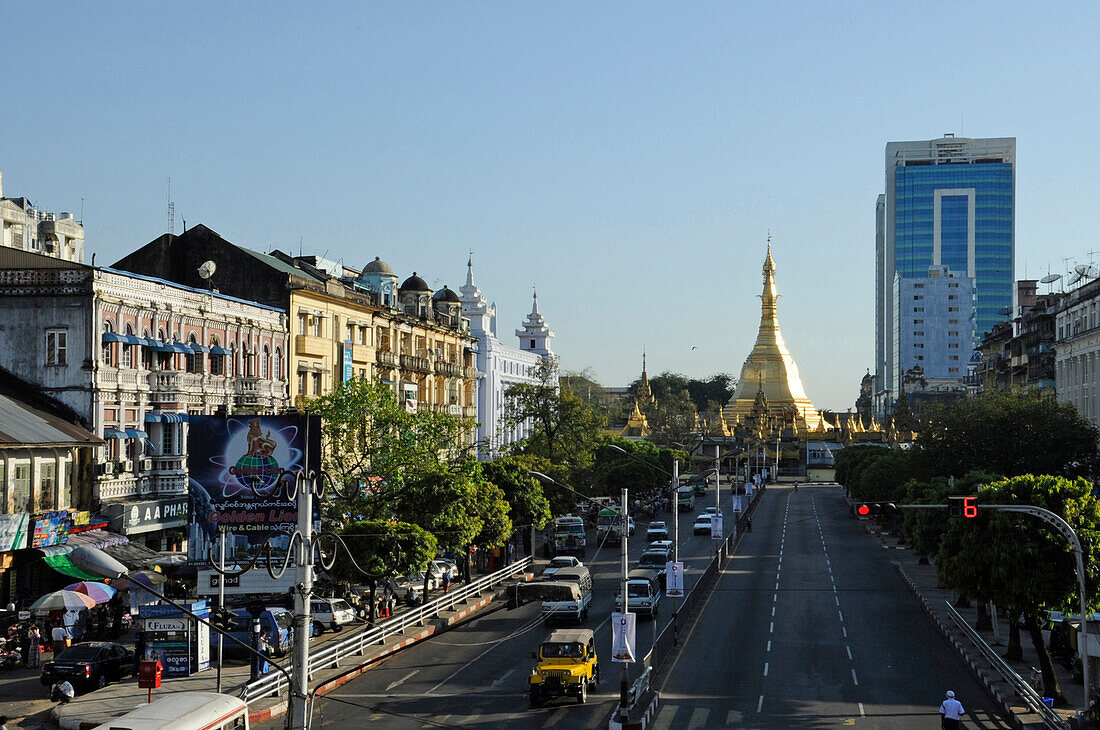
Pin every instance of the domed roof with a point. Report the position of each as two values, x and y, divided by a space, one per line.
415 283
378 266
446 295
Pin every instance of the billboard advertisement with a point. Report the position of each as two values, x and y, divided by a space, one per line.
51 528
227 457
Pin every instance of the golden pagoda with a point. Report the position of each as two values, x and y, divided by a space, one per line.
645 392
770 371
637 426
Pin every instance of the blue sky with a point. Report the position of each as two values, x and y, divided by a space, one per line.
628 159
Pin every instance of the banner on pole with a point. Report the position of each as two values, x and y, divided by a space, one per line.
674 578
716 528
622 637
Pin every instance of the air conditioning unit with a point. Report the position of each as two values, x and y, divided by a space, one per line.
146 464
107 467
127 465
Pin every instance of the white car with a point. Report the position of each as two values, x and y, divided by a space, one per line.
702 525
439 566
331 613
656 531
561 561
710 511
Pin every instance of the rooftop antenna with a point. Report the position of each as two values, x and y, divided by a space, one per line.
171 210
81 210
1085 272
1050 279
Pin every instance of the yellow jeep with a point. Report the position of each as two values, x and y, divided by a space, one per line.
567 665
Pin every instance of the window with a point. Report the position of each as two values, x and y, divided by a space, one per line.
918 321
951 297
920 357
363 335
350 333
952 309
231 360
57 347
952 333
316 325
953 286
918 334
301 384
953 345
302 321
167 443
952 321
954 357
918 309
127 350
147 354
47 485
918 286
918 345
533 347
277 370
952 370
918 296
264 363
196 362
316 383
21 488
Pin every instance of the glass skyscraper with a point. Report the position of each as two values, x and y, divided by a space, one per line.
948 202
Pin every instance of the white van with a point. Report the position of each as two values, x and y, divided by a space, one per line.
575 595
331 613
643 592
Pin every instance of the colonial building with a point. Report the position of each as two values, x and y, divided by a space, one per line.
1077 349
135 356
501 366
344 323
1020 352
26 227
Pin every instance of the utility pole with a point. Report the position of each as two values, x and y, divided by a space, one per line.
221 602
624 688
675 510
303 588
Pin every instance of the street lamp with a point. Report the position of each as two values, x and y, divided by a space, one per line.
624 688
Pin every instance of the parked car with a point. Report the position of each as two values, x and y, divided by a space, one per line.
89 665
702 525
330 613
656 531
442 565
560 562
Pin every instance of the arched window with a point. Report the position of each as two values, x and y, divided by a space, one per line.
264 363
107 349
195 363
217 360
146 352
127 349
277 371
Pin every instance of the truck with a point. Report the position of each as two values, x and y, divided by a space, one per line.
569 537
568 595
566 664
609 527
643 591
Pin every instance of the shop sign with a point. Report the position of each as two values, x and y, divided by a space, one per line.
157 514
14 530
166 624
51 528
80 518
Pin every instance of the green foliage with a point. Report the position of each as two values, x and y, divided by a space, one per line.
883 476
370 438
526 498
612 470
924 528
1008 432
456 505
383 549
851 461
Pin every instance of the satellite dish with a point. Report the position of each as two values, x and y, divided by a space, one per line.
1050 278
207 269
1075 278
1086 271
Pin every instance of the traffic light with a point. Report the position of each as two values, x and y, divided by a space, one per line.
962 507
866 509
221 618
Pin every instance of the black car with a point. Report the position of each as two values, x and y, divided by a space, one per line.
89 665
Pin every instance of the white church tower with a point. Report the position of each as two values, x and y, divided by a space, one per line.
501 365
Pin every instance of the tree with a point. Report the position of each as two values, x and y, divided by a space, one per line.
1023 563
453 504
373 444
648 470
851 462
526 499
383 549
1007 432
564 429
924 528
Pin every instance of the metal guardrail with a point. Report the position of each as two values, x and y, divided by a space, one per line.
1024 690
640 686
356 644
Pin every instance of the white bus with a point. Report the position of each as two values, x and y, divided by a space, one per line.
185 711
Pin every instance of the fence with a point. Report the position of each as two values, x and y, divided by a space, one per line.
355 645
1024 690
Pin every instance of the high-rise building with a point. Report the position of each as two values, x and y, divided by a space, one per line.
948 202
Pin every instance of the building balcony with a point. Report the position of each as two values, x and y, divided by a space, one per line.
247 391
118 487
386 359
469 372
416 364
450 369
312 346
469 411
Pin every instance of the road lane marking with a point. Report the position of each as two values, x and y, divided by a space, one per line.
773 611
838 613
854 680
760 704
771 629
698 718
769 645
775 597
861 710
835 598
765 669
498 682
402 680
845 632
849 651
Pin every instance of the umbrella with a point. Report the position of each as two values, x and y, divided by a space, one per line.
141 578
62 601
98 592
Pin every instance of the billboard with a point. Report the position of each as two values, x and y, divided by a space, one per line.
51 528
227 457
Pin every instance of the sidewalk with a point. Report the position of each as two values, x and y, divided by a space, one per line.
921 579
114 700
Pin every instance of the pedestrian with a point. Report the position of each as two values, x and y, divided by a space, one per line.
62 691
139 649
446 580
951 711
61 638
511 553
34 655
748 525
3 722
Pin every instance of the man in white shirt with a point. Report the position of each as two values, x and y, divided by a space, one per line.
61 637
950 712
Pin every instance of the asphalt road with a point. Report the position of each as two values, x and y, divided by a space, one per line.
810 626
476 674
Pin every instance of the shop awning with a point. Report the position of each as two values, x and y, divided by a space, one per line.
109 337
136 433
198 348
165 417
57 557
132 340
175 348
132 554
96 538
150 342
216 350
113 433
